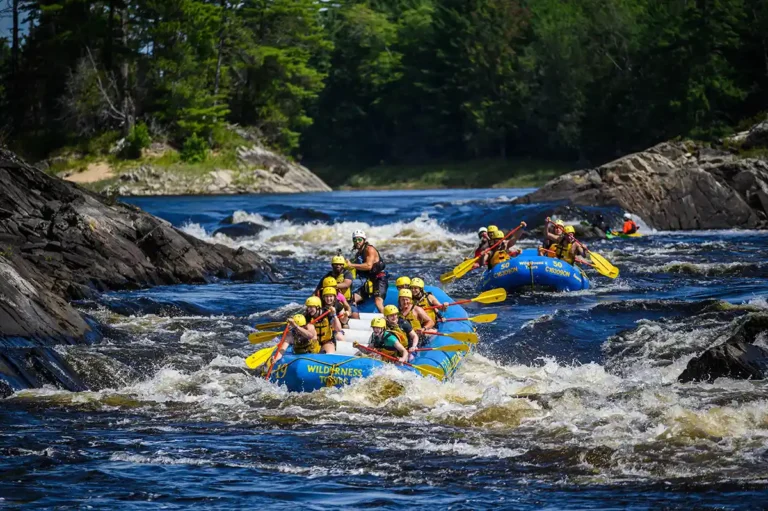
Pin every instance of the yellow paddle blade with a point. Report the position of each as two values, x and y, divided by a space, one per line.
464 268
259 358
484 318
269 326
259 337
430 371
454 347
469 337
492 296
603 266
447 277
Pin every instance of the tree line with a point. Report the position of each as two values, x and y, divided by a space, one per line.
399 81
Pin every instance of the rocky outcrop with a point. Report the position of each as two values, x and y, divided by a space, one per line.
258 171
672 186
738 357
59 242
757 136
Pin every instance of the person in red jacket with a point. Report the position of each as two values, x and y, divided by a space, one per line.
630 227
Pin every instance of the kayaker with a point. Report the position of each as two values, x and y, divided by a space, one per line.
333 299
414 314
341 275
328 329
301 335
566 247
370 268
408 336
485 241
403 283
386 341
425 300
552 233
630 227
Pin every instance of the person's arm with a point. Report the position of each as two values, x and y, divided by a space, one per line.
307 332
436 303
366 265
336 326
347 283
413 339
423 317
403 352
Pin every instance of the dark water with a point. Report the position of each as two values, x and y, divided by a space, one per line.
570 402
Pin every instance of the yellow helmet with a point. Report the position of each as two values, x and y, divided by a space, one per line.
299 319
338 260
560 223
329 291
417 282
405 293
497 235
403 281
378 323
492 229
569 229
330 282
391 309
313 301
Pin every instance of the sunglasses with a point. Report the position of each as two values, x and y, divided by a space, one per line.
358 239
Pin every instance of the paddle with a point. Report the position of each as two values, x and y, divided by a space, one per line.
422 370
455 347
601 263
276 350
482 318
492 296
259 358
269 326
259 337
469 337
464 267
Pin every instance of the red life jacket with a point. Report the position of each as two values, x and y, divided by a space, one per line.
630 227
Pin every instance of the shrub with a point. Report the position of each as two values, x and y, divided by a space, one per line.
136 140
195 149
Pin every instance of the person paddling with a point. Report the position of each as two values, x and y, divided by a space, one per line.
552 233
414 314
426 300
485 241
332 299
341 275
370 267
328 329
566 247
630 227
403 328
386 341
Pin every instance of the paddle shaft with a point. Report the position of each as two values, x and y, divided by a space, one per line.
285 334
381 354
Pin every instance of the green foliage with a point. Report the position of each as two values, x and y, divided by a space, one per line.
195 149
137 140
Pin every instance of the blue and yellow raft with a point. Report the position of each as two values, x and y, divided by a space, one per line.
529 270
306 373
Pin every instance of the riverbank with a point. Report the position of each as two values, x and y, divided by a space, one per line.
486 173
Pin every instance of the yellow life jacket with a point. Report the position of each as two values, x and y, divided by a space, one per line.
412 319
424 304
302 345
324 330
563 252
498 256
399 332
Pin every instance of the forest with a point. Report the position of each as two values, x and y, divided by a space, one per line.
383 81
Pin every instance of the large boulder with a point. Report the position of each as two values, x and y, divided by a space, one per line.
672 186
757 136
59 242
738 357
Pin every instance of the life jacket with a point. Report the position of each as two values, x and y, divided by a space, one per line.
499 255
302 345
424 303
379 343
399 332
377 267
411 318
323 328
347 294
563 252
630 227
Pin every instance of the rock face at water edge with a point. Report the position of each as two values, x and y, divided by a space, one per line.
671 186
738 357
258 170
59 242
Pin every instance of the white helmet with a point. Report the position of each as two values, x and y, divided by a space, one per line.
627 216
482 230
358 234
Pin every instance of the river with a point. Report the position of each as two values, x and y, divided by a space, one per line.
569 402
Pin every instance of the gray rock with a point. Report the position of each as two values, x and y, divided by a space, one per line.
60 242
757 136
671 188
